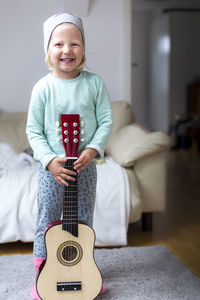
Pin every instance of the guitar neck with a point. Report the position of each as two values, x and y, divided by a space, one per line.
70 203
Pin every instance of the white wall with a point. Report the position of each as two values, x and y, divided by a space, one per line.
104 44
21 51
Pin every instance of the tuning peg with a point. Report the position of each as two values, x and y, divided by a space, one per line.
82 123
58 131
57 124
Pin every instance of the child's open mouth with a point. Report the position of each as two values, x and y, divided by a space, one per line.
67 60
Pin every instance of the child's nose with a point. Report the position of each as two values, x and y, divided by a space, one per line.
67 49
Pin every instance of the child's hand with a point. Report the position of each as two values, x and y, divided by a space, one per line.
60 174
85 159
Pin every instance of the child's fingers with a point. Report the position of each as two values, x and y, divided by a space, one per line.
60 180
80 165
67 172
80 160
67 177
63 179
61 159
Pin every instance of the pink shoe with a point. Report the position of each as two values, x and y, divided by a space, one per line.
34 293
38 264
104 289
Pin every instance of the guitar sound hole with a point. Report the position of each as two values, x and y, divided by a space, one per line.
69 253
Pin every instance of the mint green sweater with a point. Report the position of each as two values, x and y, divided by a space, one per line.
85 95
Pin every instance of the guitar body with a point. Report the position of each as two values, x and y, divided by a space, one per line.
70 272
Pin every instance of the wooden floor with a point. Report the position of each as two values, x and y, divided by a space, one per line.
179 226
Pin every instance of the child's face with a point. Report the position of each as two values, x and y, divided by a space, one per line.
66 51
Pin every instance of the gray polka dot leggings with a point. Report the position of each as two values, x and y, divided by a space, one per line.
50 202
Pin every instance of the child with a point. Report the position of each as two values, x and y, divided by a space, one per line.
66 90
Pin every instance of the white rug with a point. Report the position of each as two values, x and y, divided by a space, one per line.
130 273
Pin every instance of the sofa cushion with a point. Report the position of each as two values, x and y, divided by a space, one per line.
12 130
133 142
122 115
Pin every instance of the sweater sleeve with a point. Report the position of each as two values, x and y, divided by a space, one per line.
35 127
104 119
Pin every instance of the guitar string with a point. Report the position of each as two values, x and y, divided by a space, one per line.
73 208
66 204
67 192
71 218
75 183
69 203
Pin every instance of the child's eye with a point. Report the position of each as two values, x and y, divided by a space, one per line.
58 44
74 44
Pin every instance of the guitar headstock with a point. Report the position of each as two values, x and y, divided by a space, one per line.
70 134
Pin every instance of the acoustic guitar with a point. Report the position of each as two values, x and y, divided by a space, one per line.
70 271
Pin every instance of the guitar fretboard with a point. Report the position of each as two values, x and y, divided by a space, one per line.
70 203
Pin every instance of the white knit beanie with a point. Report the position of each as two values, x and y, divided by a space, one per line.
51 23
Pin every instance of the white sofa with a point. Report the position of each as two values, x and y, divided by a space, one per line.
140 152
143 154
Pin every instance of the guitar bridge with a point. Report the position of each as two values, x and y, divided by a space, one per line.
69 286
